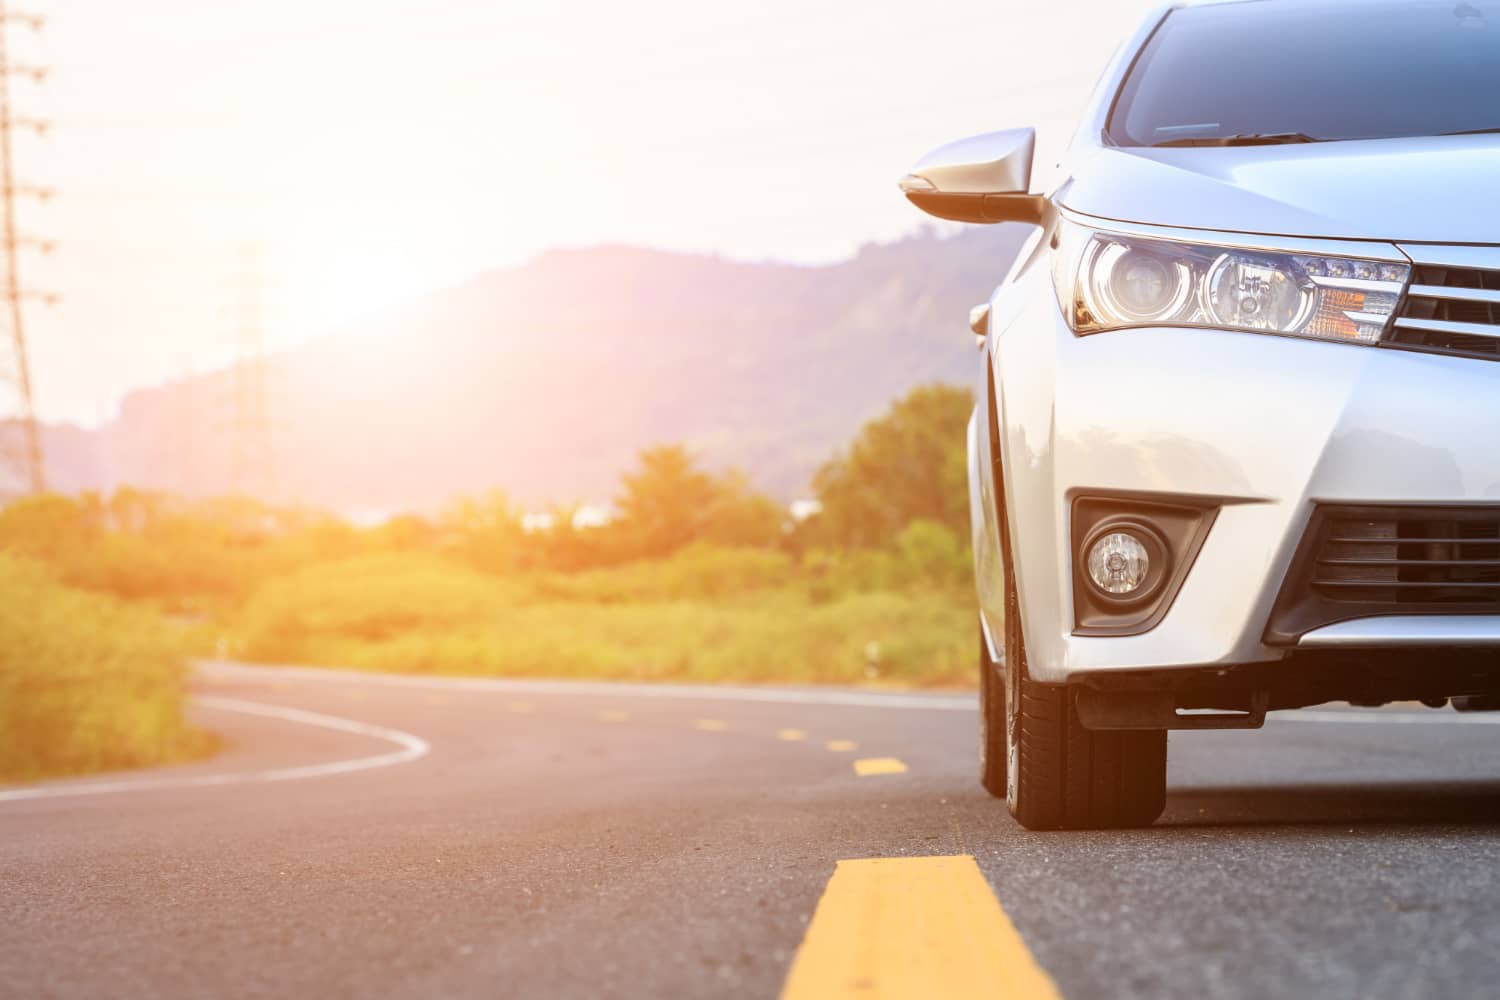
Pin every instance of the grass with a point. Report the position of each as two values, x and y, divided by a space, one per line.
87 683
705 615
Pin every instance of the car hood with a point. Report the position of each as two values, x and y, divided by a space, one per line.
1427 190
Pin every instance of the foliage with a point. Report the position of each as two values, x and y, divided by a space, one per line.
704 613
371 598
86 683
667 504
756 630
908 465
698 572
698 577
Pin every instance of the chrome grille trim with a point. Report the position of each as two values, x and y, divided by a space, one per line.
1458 294
1452 306
1449 326
1479 258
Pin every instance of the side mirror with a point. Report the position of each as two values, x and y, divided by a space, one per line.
983 178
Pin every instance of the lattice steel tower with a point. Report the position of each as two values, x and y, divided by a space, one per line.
252 457
20 438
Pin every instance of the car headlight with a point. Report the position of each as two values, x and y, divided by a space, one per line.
1108 281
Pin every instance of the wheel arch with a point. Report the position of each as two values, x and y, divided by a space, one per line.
987 506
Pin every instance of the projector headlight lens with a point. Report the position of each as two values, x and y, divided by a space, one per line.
1108 281
1118 564
1136 282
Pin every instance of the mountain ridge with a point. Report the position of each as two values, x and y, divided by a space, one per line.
545 380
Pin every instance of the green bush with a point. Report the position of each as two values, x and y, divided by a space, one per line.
86 683
699 572
705 614
777 637
368 598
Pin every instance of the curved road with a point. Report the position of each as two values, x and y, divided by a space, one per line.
413 837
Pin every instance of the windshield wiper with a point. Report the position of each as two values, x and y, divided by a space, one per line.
1244 139
1474 131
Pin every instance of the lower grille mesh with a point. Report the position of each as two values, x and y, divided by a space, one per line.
1411 558
1355 562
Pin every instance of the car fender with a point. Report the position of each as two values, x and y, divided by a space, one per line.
988 448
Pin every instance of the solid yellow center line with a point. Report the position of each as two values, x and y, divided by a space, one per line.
790 735
613 715
867 767
895 928
841 746
710 725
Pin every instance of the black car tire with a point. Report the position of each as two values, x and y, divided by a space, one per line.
992 751
1061 776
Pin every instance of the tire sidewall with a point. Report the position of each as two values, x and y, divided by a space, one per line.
992 721
987 696
1015 668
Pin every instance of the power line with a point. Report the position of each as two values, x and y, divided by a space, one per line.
25 458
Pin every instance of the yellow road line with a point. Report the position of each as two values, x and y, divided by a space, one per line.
897 928
841 746
710 725
613 715
867 766
790 735
521 707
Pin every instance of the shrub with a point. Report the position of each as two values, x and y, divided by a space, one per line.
86 683
369 597
700 572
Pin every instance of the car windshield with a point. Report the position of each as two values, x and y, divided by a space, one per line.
1272 72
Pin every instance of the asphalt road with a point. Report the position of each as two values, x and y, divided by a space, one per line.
503 840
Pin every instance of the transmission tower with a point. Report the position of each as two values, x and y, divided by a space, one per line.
251 470
24 458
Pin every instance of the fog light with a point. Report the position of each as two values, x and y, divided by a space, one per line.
1119 564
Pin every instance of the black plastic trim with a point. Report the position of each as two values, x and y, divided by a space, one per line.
1300 608
1180 523
982 209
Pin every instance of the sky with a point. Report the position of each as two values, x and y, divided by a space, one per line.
290 166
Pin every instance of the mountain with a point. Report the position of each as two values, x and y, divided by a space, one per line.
547 379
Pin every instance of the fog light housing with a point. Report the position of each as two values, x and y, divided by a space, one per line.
1131 553
1123 561
1119 564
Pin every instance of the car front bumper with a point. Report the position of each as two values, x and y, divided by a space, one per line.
1265 426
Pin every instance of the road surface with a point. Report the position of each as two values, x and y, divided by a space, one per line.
393 837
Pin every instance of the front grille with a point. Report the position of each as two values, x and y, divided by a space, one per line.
1411 558
1452 305
1360 561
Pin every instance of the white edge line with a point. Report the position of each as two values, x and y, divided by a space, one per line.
948 703
412 747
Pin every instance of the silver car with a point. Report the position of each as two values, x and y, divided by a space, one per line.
1237 438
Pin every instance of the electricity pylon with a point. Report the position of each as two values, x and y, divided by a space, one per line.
23 457
252 458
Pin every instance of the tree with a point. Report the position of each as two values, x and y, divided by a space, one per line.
741 517
665 501
668 503
485 531
906 465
